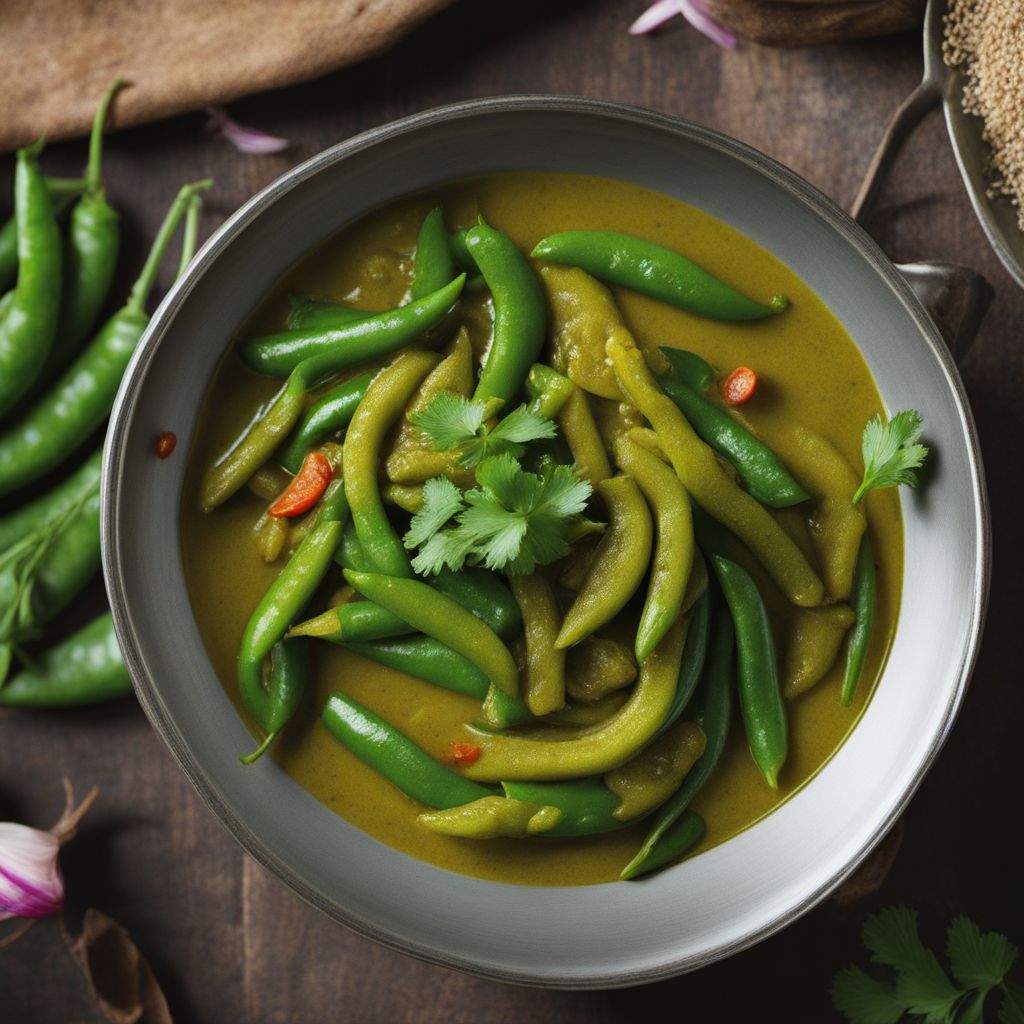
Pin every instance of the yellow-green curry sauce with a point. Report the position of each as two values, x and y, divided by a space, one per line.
811 374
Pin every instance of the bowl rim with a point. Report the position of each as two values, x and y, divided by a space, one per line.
116 443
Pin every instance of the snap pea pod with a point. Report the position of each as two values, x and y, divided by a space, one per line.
619 565
279 606
381 407
679 837
519 313
65 417
654 270
433 266
587 805
286 684
61 192
352 342
444 619
514 759
434 662
710 486
84 669
713 715
327 415
492 817
864 608
306 313
29 323
674 547
760 469
396 757
90 254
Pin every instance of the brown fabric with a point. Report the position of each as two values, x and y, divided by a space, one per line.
179 55
815 22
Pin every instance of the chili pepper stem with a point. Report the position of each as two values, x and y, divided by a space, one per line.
191 234
93 177
144 285
252 758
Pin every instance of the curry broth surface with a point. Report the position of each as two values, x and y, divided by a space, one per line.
811 374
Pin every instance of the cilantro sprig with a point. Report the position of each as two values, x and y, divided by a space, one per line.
921 987
892 454
512 521
453 422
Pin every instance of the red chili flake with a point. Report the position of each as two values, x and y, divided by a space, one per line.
739 385
465 753
165 444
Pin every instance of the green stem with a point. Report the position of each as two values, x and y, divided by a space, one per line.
144 285
188 241
93 179
260 750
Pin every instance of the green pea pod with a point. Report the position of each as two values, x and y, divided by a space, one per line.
305 313
653 270
690 369
90 254
66 416
433 266
587 805
674 842
61 191
284 600
29 324
350 343
520 313
764 716
327 415
713 715
760 469
864 608
286 685
396 757
434 662
84 669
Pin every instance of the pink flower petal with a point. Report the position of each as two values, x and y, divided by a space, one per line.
244 139
655 16
698 16
31 884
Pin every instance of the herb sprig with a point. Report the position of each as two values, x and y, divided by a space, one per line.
892 454
454 422
979 964
512 521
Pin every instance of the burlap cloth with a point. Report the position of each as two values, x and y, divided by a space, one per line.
179 55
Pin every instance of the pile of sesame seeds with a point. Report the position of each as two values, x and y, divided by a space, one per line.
986 39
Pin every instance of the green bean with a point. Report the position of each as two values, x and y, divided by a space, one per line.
396 757
306 313
286 685
685 833
689 368
694 657
433 266
864 607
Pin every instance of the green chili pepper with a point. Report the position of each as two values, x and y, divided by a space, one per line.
760 469
356 341
708 483
357 621
694 656
619 565
29 324
90 255
286 684
864 607
434 662
690 369
396 757
305 313
606 746
64 418
519 313
673 843
84 669
764 717
433 266
283 601
382 405
587 805
327 415
713 715
441 617
61 191
653 270
674 547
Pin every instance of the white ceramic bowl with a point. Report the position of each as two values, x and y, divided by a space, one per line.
590 936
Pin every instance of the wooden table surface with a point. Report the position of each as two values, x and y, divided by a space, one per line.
228 942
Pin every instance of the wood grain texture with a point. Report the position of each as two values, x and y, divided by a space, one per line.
227 941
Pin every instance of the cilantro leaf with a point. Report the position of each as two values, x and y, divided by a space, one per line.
441 501
978 961
454 422
891 452
863 999
1012 1010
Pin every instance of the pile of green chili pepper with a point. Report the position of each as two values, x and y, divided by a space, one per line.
680 542
59 373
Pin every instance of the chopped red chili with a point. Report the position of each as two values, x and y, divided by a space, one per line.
306 487
165 444
739 385
465 753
